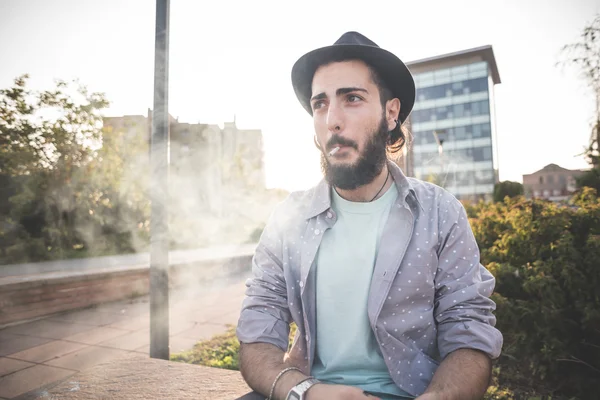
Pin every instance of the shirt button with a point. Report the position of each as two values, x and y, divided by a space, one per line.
329 214
317 231
301 284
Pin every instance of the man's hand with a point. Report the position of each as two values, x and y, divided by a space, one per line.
322 391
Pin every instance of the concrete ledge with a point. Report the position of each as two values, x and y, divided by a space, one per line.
146 378
27 297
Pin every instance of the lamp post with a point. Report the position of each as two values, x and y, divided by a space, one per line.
159 160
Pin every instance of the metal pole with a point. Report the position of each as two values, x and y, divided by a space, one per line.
159 156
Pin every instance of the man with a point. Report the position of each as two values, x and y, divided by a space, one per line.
379 272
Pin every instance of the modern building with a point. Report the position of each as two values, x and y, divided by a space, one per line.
453 122
551 183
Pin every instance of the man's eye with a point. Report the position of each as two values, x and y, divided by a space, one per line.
353 98
317 104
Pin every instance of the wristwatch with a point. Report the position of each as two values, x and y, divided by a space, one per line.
298 392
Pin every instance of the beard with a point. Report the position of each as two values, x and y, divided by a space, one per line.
363 171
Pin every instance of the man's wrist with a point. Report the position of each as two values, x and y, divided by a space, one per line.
312 392
287 382
300 390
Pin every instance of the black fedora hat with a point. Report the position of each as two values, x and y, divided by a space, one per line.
353 45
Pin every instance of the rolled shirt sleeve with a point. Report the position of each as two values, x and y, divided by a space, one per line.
463 307
265 316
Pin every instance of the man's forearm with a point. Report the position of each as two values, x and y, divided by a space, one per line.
260 363
463 375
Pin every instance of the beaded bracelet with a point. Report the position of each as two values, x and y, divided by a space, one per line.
279 376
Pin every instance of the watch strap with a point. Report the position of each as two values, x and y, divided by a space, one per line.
302 387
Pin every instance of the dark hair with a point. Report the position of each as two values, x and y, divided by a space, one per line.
398 136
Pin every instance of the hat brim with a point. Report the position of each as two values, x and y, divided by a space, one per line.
390 68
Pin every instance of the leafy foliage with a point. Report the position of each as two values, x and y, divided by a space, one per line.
545 259
584 55
61 195
507 188
590 178
221 351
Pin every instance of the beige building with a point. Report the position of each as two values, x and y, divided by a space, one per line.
551 183
216 176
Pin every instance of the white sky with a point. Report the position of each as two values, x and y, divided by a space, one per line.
235 57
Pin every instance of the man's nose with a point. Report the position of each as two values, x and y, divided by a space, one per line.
335 120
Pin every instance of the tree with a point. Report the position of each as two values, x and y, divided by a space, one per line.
64 196
590 179
507 188
584 55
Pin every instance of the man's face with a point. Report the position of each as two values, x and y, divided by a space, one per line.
347 112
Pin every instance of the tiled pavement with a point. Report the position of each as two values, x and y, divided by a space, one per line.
38 353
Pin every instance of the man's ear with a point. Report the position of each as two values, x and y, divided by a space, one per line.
392 112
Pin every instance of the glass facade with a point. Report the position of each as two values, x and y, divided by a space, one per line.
455 103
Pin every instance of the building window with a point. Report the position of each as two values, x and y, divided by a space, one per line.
487 153
454 111
562 180
550 179
541 179
426 92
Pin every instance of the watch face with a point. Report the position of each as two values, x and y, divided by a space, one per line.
294 396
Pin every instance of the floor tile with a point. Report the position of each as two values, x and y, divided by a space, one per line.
177 344
46 328
96 335
29 379
125 308
177 326
130 341
4 336
90 317
86 358
227 319
132 324
21 343
8 365
47 351
203 331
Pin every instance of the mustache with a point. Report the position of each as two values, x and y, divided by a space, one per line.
340 141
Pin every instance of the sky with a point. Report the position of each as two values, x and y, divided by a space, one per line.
234 58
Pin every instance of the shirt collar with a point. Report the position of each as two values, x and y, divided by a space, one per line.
321 196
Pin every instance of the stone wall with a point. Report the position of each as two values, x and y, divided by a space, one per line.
28 297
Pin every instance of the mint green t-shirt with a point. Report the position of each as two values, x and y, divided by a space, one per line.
347 352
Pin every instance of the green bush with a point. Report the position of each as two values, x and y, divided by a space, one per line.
221 351
507 188
545 258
